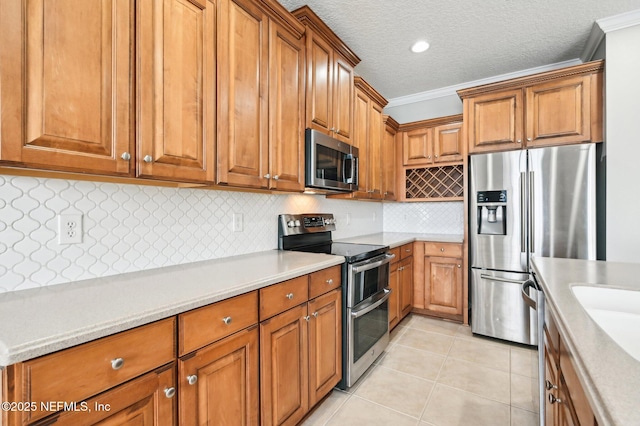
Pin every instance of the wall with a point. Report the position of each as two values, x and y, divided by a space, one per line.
623 144
430 218
426 109
131 227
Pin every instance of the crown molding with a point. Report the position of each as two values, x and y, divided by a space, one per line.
595 38
452 90
618 22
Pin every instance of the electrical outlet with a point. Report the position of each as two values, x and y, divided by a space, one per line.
70 228
238 222
348 218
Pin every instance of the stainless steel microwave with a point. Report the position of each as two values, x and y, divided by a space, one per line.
330 164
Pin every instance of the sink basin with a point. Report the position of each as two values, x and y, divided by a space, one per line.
616 311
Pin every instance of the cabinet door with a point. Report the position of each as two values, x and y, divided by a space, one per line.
551 378
447 143
389 164
417 146
325 344
494 121
284 367
149 400
376 135
360 140
342 100
406 286
319 83
219 383
559 112
66 97
176 89
443 285
243 40
394 297
286 110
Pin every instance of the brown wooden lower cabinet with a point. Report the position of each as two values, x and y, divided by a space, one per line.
300 358
406 286
566 402
219 383
401 284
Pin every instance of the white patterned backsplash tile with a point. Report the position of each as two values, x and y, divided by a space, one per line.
430 218
133 227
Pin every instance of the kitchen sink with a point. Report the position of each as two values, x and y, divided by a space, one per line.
616 311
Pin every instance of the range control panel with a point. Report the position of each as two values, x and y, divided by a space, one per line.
294 224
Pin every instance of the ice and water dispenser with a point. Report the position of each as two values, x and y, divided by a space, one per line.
492 212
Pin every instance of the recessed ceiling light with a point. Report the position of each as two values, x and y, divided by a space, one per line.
419 46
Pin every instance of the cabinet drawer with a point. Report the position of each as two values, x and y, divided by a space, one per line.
396 253
406 251
280 297
205 325
324 281
82 371
443 249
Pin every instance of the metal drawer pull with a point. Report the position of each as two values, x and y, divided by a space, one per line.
226 320
442 249
117 363
553 399
307 318
126 156
550 385
315 314
289 296
148 159
330 281
458 266
407 250
192 379
169 392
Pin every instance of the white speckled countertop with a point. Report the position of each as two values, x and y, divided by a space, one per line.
395 239
610 376
40 321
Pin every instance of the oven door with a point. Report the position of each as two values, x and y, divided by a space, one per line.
367 278
329 163
368 331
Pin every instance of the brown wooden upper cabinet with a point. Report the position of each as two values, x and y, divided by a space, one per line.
330 79
552 108
261 97
432 141
389 166
67 98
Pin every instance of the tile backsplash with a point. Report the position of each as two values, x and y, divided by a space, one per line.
133 227
431 218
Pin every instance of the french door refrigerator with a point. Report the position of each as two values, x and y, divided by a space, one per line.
535 202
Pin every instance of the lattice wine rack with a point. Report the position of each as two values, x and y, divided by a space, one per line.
435 182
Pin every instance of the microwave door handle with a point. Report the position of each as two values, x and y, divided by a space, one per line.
354 161
365 311
344 169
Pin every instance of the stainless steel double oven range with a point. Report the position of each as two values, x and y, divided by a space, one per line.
365 288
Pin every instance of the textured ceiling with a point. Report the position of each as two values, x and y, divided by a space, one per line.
470 40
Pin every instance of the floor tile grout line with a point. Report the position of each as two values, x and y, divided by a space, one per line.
385 407
326 422
435 383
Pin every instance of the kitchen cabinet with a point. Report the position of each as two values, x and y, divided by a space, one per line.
566 402
218 368
261 98
432 141
300 348
72 108
69 101
401 284
389 159
438 286
330 78
553 108
176 88
98 369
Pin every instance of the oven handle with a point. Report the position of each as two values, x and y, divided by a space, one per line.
373 263
384 295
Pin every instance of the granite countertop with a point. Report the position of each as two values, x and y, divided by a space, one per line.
396 239
40 321
610 376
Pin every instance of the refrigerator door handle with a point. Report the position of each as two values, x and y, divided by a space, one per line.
532 212
502 280
523 206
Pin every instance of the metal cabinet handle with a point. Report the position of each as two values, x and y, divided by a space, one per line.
528 139
307 318
226 320
267 176
169 392
553 399
442 249
401 268
192 379
276 177
549 385
330 281
458 266
315 314
126 156
333 129
428 157
117 363
407 250
289 296
148 159
436 155
519 141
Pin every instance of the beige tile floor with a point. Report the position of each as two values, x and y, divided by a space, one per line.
437 373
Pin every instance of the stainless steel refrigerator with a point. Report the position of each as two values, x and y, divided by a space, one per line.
536 202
